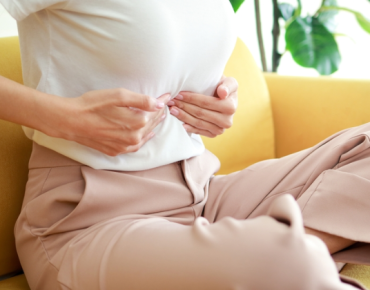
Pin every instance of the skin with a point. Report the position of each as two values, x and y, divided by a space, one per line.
119 121
209 116
334 243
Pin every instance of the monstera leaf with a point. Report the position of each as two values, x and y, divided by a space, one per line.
363 21
286 11
312 45
328 18
311 39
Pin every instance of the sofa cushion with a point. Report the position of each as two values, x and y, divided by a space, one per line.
15 283
251 138
358 272
15 150
14 154
10 59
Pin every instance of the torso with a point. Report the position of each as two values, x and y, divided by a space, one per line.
147 46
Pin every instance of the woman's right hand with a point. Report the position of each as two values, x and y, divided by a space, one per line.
114 121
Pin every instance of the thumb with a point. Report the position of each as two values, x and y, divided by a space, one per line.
141 102
164 98
228 86
223 91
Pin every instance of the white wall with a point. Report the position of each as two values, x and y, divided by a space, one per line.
8 26
355 50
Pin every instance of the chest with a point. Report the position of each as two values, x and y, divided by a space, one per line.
154 31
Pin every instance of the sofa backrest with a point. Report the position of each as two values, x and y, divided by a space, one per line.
251 138
15 150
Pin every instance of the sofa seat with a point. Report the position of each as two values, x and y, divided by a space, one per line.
15 283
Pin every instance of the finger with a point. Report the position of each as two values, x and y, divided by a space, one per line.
154 123
207 102
164 98
140 125
108 147
222 120
227 86
126 98
113 148
135 148
233 97
195 122
135 137
222 92
191 129
109 138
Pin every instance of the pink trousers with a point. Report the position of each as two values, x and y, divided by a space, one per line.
179 227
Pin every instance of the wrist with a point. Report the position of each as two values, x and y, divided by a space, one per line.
49 114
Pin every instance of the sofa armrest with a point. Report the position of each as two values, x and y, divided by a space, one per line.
307 110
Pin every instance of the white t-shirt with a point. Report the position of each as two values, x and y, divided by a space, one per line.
150 47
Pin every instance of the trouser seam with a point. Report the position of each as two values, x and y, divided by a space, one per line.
313 192
43 185
47 255
285 191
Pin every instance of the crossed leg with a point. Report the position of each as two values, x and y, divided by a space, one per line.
330 181
155 253
235 245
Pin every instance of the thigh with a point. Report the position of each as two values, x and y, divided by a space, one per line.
65 199
322 179
155 253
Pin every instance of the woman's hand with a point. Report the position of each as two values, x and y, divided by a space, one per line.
207 115
115 121
112 121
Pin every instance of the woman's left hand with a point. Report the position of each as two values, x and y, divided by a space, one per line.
207 115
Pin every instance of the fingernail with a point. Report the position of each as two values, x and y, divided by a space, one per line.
179 97
168 97
225 88
159 105
171 103
174 111
163 116
151 135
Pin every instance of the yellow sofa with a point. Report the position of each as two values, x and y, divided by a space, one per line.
276 116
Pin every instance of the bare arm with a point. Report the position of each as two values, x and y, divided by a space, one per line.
20 104
104 120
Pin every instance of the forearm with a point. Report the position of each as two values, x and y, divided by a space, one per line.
101 119
25 106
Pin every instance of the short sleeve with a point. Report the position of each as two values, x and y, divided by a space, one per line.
20 9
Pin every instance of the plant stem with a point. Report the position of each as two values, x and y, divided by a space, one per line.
325 8
276 56
259 34
319 10
298 11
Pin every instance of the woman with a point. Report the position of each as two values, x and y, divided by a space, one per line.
120 192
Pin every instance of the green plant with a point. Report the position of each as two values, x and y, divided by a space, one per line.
310 39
